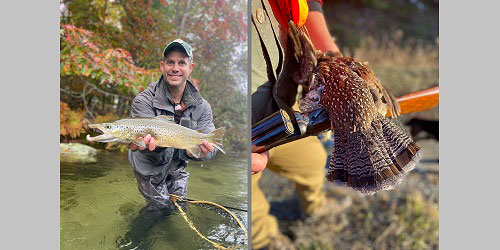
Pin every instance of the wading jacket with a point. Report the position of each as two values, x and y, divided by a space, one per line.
196 114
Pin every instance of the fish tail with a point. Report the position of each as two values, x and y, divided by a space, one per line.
215 138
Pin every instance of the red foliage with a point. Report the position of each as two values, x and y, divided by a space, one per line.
82 55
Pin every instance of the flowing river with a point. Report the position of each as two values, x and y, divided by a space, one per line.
100 206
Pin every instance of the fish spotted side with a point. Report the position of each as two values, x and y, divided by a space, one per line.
162 128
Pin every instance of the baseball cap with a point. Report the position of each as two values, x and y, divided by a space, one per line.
178 42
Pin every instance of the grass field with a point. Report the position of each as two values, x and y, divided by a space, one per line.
404 218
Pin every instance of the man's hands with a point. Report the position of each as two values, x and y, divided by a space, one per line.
148 140
205 147
150 143
259 160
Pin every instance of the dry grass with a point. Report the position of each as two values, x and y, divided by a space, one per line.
399 219
402 66
404 218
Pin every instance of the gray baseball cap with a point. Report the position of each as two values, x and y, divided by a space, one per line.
178 42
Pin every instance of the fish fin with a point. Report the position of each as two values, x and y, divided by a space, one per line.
166 118
219 148
194 151
139 142
215 138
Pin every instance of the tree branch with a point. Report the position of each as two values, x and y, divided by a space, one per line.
70 92
84 93
103 20
93 87
184 16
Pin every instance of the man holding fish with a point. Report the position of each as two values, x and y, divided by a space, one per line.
160 170
171 124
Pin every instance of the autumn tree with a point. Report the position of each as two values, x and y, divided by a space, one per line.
112 53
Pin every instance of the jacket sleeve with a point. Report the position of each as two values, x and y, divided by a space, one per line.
206 125
142 106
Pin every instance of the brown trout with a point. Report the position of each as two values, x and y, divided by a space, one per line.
165 132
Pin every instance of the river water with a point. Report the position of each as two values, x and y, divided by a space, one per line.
100 206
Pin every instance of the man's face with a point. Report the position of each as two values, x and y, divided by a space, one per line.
176 68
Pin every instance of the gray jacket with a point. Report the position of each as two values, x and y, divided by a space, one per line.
156 100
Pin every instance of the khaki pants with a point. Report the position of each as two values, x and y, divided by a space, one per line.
302 162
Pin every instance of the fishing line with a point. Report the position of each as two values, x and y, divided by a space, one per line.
176 198
228 207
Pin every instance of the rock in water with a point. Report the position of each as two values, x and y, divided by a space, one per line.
77 153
